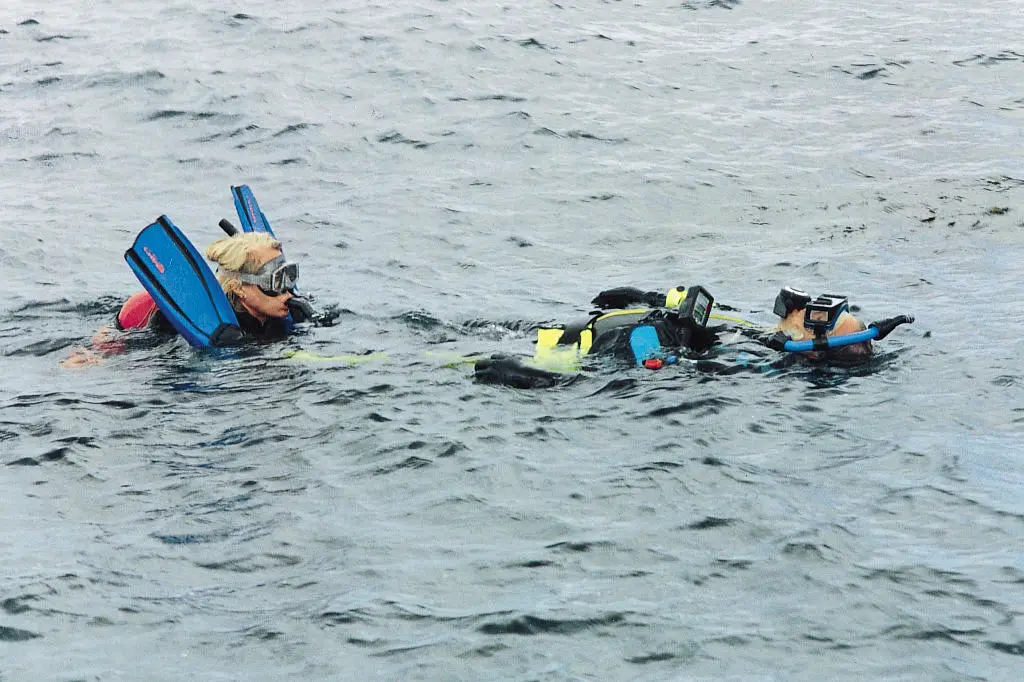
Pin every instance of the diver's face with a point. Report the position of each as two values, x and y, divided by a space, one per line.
256 300
264 305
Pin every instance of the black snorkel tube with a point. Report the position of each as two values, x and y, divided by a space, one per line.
226 225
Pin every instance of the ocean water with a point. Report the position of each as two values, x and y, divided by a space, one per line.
452 174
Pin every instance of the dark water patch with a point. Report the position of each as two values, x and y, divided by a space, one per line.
236 435
105 305
1012 648
291 161
601 197
486 651
227 134
43 82
872 73
51 38
544 130
579 547
55 454
1003 183
348 617
164 114
37 399
50 159
9 634
129 79
41 348
497 97
533 563
262 634
531 42
702 407
663 467
14 605
583 135
411 462
651 658
807 550
735 564
251 564
989 60
934 633
29 22
709 522
618 388
418 319
395 137
534 625
24 462
193 538
294 128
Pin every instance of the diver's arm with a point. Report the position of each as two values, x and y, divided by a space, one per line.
105 341
624 297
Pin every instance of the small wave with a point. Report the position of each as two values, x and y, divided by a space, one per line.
395 137
294 128
535 625
9 634
129 79
178 113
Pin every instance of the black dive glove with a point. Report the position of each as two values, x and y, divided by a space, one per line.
886 326
623 297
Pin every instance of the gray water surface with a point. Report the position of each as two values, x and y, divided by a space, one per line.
450 174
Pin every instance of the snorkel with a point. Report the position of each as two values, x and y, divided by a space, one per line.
820 316
876 331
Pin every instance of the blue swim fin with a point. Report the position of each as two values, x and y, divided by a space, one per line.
645 343
249 212
182 285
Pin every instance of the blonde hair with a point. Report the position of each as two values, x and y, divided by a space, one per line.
234 255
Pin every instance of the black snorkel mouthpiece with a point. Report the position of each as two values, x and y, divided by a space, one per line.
822 313
790 299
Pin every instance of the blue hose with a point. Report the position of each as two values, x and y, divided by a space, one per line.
832 341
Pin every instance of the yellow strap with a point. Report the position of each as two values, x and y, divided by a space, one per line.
735 320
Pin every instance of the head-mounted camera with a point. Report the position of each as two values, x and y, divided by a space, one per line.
790 299
822 313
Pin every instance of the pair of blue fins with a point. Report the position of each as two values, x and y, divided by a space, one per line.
182 285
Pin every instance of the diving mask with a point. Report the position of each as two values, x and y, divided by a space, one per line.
276 277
